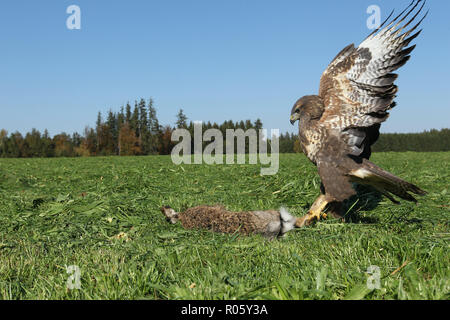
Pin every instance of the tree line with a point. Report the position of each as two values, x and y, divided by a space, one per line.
137 131
131 131
427 141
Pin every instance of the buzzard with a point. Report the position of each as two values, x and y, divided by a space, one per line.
338 126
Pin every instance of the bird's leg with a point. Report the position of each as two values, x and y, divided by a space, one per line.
314 213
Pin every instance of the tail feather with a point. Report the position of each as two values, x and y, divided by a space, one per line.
386 182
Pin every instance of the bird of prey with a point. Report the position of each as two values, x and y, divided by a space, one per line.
338 126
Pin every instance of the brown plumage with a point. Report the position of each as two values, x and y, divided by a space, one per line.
338 126
269 224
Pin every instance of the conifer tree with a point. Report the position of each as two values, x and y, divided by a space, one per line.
120 118
48 145
181 120
113 133
128 113
98 130
258 125
134 122
154 128
144 133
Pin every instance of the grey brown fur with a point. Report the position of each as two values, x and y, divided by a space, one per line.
269 224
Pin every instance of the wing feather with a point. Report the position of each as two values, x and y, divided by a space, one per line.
358 86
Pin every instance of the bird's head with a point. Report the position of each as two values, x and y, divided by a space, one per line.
310 107
296 111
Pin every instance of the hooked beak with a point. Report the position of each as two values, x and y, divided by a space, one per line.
294 118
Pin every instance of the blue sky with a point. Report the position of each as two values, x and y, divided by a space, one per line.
218 60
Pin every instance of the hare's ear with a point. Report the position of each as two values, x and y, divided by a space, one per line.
170 214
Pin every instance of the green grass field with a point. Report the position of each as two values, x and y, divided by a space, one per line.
102 215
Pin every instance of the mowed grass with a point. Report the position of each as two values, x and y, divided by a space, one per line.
102 215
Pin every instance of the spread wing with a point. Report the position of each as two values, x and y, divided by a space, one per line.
358 86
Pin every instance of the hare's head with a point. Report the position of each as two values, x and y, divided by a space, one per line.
170 214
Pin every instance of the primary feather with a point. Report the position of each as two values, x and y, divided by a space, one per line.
358 86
